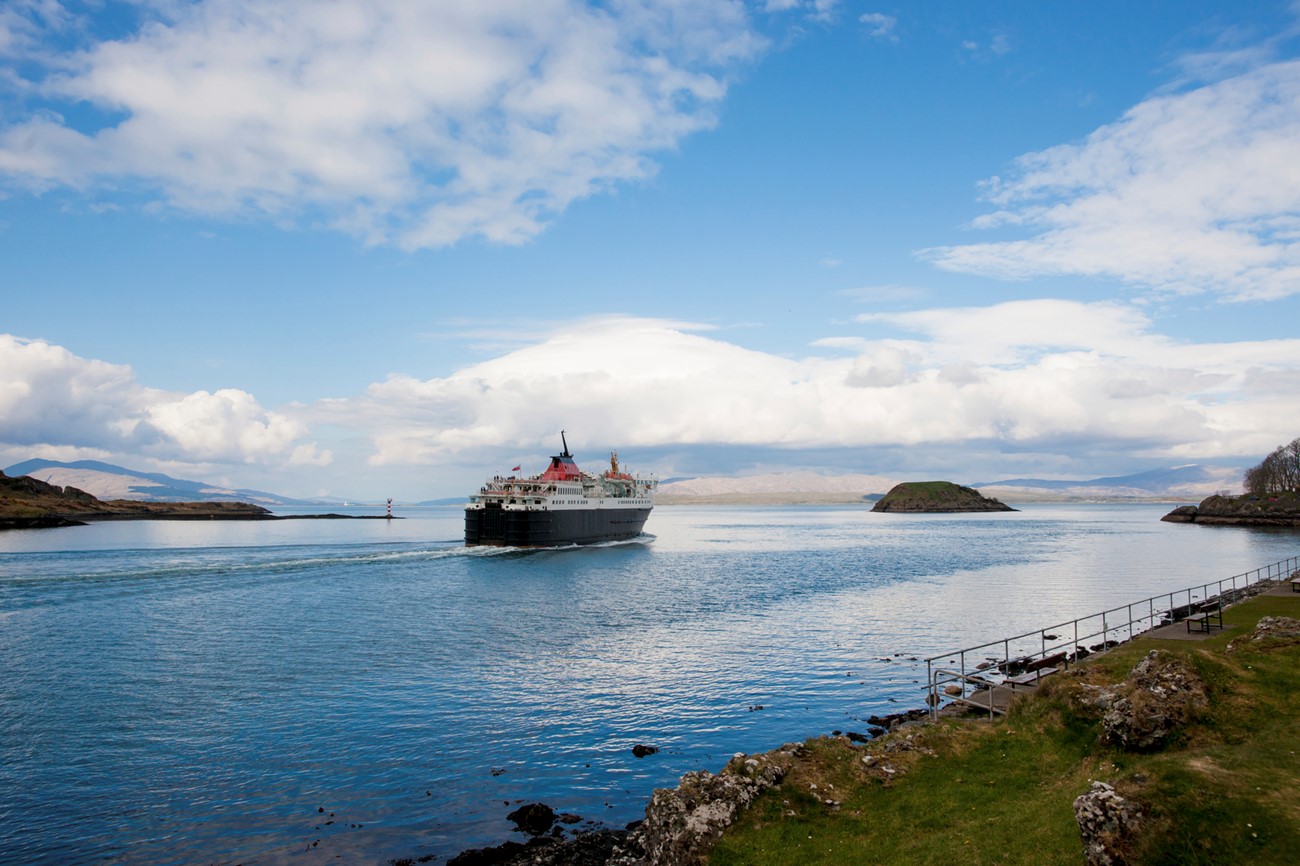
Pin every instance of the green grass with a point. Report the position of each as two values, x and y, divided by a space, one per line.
1226 791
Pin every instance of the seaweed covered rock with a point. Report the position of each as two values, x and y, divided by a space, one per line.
596 848
533 819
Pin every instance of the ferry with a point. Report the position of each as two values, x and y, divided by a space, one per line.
560 507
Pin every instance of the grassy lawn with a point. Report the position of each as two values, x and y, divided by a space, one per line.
1226 790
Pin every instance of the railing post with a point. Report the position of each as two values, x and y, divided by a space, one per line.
934 690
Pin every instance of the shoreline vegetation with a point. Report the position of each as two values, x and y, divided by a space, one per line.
1153 752
28 503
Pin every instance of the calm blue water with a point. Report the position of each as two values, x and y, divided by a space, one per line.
197 692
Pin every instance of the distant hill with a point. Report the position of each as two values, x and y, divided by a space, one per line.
1192 481
29 503
936 497
106 481
783 487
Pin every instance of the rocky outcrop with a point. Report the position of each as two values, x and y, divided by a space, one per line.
1274 509
1160 695
1107 824
1283 630
682 823
936 497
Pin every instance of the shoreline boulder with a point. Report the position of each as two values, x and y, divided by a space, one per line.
1160 695
1107 824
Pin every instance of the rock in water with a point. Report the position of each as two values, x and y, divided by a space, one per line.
533 818
1107 824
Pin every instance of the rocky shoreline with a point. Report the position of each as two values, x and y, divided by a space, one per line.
1281 509
680 823
54 521
1145 711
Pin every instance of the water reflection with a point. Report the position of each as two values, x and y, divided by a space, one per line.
217 684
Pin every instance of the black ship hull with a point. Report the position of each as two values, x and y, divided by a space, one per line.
500 527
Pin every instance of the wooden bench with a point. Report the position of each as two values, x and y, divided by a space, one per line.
1037 669
1207 616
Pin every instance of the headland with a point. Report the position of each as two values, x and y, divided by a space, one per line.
1248 509
29 503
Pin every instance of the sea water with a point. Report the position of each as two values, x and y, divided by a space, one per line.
309 691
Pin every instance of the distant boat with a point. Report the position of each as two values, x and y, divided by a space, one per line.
559 507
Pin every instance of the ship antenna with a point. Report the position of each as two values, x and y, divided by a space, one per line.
566 446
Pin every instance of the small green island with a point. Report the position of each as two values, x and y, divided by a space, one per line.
936 497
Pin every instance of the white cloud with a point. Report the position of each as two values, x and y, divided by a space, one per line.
886 292
1191 192
1058 380
879 25
402 122
54 399
824 10
1038 374
816 10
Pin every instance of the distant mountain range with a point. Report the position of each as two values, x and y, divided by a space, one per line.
1191 482
106 481
851 486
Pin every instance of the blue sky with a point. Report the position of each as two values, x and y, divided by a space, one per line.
384 249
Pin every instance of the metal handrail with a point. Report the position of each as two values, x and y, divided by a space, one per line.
1115 622
977 681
